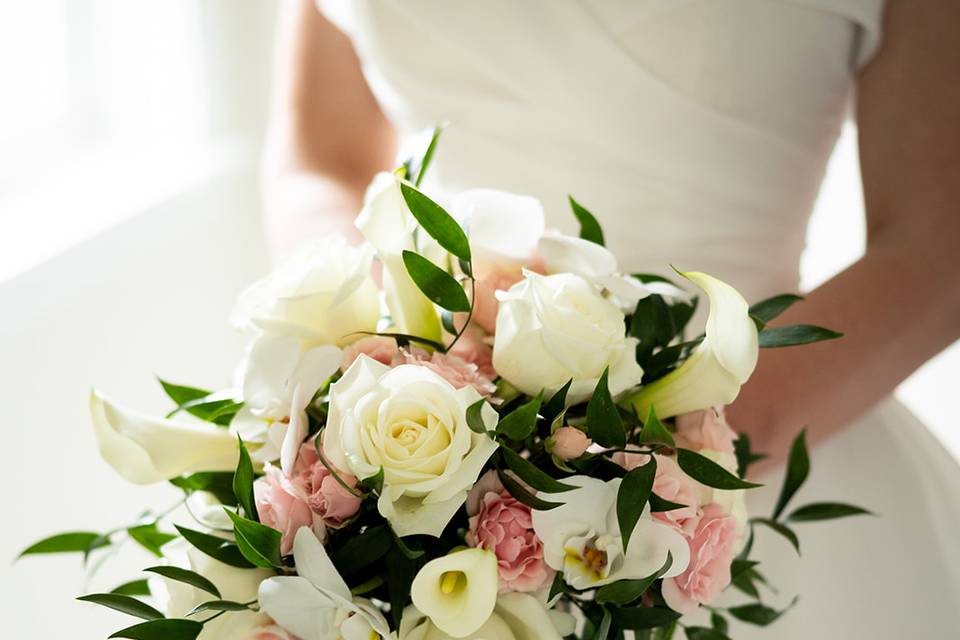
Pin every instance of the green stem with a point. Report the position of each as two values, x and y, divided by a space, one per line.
473 303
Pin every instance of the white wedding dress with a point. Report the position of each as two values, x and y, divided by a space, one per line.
698 132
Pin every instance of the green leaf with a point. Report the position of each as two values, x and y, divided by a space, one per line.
652 324
258 543
400 571
217 483
449 323
124 604
644 617
557 587
826 511
718 622
412 551
133 588
795 334
589 227
428 154
654 431
76 541
557 403
745 457
178 574
531 474
375 482
658 504
243 482
798 468
635 489
402 339
626 591
704 633
435 283
475 417
520 423
216 547
151 539
770 308
517 490
758 614
219 605
604 425
360 551
438 223
706 471
180 394
782 529
603 631
167 629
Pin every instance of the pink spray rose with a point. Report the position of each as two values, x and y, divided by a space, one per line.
498 278
711 552
672 484
568 443
706 429
501 524
311 497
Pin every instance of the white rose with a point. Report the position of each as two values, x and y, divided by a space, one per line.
323 294
177 599
551 329
411 423
517 616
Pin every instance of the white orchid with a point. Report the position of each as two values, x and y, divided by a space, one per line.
582 538
317 603
279 381
717 368
146 449
388 225
486 213
322 294
458 591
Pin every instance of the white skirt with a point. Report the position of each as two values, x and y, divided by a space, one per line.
889 577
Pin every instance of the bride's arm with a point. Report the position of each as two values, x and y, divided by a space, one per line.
900 304
327 136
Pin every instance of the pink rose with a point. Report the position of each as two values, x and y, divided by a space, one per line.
501 524
711 552
380 348
705 430
451 368
498 278
326 497
568 443
282 505
672 484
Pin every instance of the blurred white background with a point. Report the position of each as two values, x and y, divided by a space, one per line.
129 140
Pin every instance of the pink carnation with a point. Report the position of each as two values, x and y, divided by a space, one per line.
711 553
705 430
474 347
310 497
451 368
501 524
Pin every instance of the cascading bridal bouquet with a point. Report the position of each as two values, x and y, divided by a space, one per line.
510 439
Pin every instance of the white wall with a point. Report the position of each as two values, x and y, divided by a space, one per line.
148 297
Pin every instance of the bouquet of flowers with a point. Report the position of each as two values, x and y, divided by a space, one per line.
494 434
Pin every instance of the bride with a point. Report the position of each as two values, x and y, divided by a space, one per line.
708 122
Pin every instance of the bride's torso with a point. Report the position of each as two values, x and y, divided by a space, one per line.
697 131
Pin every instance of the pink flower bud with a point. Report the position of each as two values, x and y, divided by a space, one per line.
569 443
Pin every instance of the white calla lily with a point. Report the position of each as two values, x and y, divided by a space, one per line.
317 603
146 449
516 616
279 381
582 538
458 591
387 224
718 367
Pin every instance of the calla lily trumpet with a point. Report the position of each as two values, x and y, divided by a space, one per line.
718 367
387 224
145 449
458 591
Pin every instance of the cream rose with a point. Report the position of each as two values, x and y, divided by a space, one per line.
412 423
322 294
551 329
